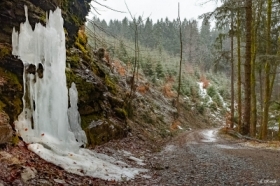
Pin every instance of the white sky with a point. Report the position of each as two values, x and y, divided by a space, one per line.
155 9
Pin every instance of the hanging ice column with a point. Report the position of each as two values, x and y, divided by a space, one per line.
45 118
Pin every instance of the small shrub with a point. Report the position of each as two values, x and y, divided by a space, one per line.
224 93
216 98
175 125
194 91
143 88
213 106
211 91
167 90
204 81
201 108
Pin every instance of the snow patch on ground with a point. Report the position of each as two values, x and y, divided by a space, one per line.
87 163
137 160
227 147
170 148
273 145
203 93
209 136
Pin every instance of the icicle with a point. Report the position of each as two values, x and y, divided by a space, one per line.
74 116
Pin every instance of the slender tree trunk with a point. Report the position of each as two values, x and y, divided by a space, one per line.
253 93
181 56
247 66
132 86
190 49
253 63
232 75
135 58
267 73
261 100
279 129
95 36
138 59
239 72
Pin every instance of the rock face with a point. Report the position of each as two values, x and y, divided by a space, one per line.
11 68
101 107
102 131
99 98
5 129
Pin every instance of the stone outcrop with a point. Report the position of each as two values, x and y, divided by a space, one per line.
99 97
5 129
11 68
102 131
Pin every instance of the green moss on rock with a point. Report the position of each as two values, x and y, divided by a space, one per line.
110 84
81 47
82 38
10 94
120 112
15 140
74 60
102 131
4 51
86 120
12 79
2 105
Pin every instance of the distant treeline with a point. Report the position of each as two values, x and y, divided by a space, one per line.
200 44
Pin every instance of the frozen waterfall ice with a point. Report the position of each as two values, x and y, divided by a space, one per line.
51 129
44 118
74 115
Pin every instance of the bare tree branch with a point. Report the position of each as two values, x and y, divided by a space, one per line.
108 7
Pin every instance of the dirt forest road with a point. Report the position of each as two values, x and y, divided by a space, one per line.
204 158
194 158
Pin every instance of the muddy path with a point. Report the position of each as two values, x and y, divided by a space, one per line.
203 157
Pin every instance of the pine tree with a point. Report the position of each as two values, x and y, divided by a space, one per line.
159 70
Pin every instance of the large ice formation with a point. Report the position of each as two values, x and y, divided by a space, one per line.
52 129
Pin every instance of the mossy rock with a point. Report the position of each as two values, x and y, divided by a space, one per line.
110 84
121 113
4 51
82 38
10 94
2 105
73 60
81 47
102 131
115 101
6 131
10 79
86 120
85 89
15 140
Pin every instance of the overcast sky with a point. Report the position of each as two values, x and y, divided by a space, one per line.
155 9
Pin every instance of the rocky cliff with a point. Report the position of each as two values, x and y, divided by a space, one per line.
103 116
